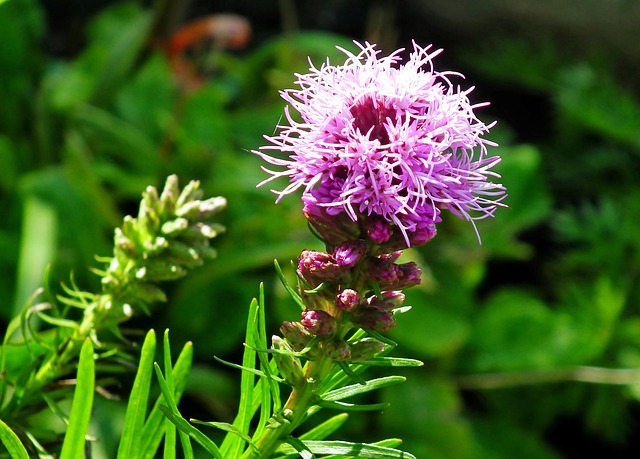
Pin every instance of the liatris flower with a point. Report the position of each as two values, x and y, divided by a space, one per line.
386 144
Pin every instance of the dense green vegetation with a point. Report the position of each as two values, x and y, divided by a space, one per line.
531 340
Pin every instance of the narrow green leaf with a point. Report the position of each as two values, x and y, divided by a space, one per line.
349 449
169 399
352 406
72 324
11 441
184 426
296 297
346 368
232 445
300 447
130 441
226 427
260 373
170 428
392 362
322 431
355 389
389 443
272 395
154 428
74 440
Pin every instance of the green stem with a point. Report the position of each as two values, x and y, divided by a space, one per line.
294 411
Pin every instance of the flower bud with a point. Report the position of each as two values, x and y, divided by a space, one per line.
384 272
338 350
317 267
424 232
374 319
296 334
365 349
391 256
319 323
379 230
389 300
349 253
347 299
333 229
289 366
410 275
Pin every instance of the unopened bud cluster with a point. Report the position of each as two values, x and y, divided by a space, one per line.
169 237
354 285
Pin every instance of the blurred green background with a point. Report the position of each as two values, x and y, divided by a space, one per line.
531 340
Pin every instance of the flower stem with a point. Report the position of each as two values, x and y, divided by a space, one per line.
295 410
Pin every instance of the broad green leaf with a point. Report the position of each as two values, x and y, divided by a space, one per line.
137 407
74 439
14 446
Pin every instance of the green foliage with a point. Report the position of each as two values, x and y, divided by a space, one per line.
522 325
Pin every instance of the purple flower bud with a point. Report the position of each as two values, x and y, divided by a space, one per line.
389 300
410 275
347 299
373 319
424 233
392 257
317 267
333 229
379 230
319 323
349 253
384 272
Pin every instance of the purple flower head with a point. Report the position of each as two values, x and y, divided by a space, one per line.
384 140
